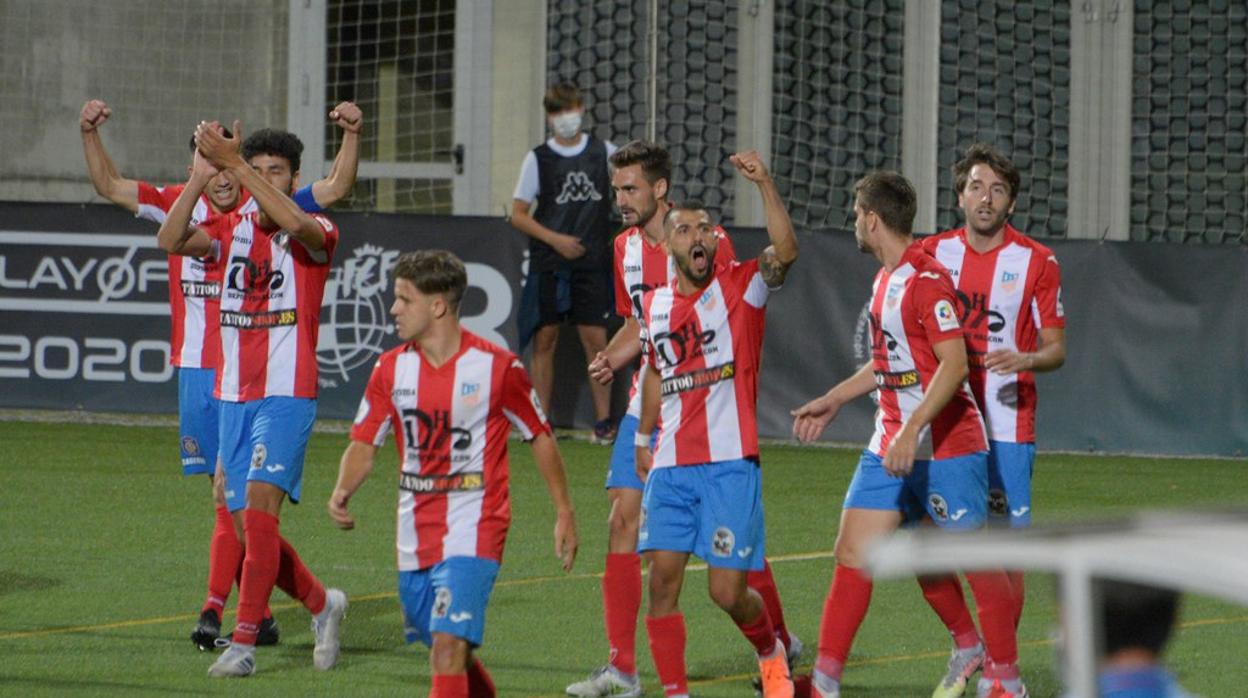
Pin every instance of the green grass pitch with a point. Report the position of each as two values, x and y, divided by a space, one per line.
104 555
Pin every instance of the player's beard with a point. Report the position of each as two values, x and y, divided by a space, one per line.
993 224
643 215
686 264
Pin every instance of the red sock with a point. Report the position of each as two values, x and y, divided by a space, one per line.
994 601
225 556
843 611
449 686
294 578
667 648
1020 595
480 683
765 585
264 552
621 600
944 594
761 633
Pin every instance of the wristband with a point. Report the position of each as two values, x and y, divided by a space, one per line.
641 440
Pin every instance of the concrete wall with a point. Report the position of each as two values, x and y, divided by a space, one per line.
519 82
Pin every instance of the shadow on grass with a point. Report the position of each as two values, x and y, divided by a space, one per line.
11 582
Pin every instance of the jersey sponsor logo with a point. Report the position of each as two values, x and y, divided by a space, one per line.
636 292
685 342
975 312
694 380
896 380
246 276
441 602
577 186
946 319
201 289
432 431
1007 395
441 484
723 542
259 321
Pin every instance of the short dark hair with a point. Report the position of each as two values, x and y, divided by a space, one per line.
433 272
272 141
985 154
686 205
224 130
890 196
1135 615
562 97
655 161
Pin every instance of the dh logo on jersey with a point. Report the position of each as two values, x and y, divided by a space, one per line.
685 342
578 187
975 312
441 602
245 276
723 542
432 432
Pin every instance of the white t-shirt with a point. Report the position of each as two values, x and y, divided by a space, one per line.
528 187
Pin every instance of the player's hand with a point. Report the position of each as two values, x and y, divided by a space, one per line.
220 151
899 459
1004 361
811 419
600 369
338 510
566 541
750 164
349 117
94 113
568 246
201 168
644 460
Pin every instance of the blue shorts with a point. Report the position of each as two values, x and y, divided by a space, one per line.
1010 467
449 597
952 491
264 441
714 511
623 471
198 420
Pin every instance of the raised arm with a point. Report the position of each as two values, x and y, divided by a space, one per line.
341 179
550 465
357 464
225 153
774 262
177 235
107 181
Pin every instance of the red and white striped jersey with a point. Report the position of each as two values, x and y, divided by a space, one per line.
641 267
1004 297
913 308
271 294
194 283
707 347
450 425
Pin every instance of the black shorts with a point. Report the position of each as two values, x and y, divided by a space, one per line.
581 297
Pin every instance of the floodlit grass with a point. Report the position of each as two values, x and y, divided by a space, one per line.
104 557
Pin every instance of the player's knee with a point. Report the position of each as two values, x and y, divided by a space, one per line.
545 340
449 654
622 528
727 595
848 553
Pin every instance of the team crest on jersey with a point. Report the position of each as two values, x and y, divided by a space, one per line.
707 300
938 506
893 296
441 602
258 455
723 542
946 318
470 394
642 533
1009 281
190 446
998 505
578 187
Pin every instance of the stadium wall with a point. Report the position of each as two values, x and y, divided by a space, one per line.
1155 351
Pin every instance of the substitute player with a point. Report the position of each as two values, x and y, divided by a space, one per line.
1009 302
928 456
704 335
641 177
275 265
451 399
194 296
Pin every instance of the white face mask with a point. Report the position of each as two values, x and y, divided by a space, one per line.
567 124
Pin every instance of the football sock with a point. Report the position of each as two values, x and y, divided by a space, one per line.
225 555
1018 588
449 686
1004 672
621 600
667 648
260 565
944 594
765 584
994 601
761 633
843 611
294 578
480 683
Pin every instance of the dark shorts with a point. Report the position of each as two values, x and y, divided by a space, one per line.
581 297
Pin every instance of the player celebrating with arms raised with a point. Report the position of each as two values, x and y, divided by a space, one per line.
451 399
928 455
703 335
